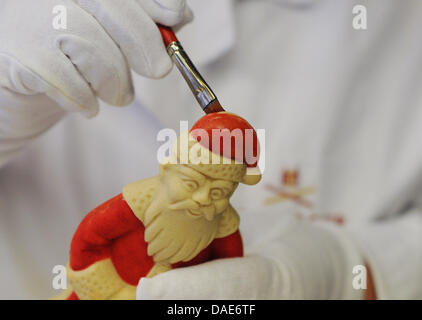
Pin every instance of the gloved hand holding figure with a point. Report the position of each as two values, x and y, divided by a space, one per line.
305 261
45 72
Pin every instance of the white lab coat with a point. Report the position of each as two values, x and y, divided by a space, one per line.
341 106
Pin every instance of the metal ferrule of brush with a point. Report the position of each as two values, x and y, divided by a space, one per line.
197 84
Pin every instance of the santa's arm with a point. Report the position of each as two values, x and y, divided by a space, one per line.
93 239
228 247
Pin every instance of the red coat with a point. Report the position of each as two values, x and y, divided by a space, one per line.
113 231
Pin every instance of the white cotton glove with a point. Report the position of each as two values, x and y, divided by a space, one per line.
306 262
45 72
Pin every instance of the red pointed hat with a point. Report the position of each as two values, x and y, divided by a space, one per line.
230 136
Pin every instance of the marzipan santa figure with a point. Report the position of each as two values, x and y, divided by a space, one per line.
179 218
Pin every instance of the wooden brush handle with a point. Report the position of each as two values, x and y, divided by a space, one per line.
167 34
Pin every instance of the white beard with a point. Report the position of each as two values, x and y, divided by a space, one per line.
174 236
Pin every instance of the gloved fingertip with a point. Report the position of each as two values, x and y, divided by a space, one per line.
187 18
162 67
90 112
125 98
189 15
89 108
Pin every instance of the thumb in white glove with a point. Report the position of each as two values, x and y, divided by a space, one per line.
251 277
307 262
42 68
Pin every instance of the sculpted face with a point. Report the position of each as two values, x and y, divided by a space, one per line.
183 217
198 194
